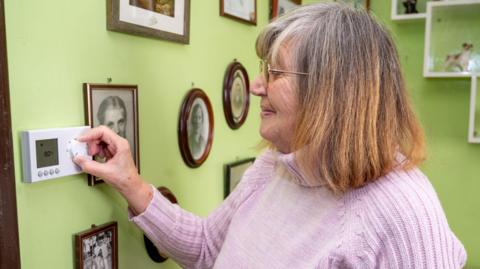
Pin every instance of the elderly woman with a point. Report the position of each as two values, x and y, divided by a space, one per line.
338 186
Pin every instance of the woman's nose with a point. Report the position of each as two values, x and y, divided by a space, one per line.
258 86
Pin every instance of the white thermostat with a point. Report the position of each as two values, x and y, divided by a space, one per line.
48 153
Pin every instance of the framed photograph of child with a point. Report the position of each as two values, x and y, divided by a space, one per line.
163 19
195 128
97 247
114 106
242 10
233 173
236 94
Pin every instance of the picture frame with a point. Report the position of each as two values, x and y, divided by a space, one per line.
280 7
97 247
233 173
115 106
161 19
236 94
244 11
195 128
152 250
357 3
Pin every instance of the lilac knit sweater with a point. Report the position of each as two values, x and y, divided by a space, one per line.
273 220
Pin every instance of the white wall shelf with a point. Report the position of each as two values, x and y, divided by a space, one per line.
474 118
449 24
399 15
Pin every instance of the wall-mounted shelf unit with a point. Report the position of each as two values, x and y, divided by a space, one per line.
474 119
450 24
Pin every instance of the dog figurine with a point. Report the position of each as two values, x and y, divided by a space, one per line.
461 59
410 6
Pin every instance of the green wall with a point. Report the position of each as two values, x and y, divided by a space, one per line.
55 46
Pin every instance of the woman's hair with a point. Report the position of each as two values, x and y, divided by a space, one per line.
111 102
355 120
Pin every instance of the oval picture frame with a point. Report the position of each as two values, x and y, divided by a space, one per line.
195 127
236 94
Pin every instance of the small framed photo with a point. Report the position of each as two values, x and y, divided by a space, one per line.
195 128
280 7
236 94
242 10
115 106
365 4
97 247
163 19
233 173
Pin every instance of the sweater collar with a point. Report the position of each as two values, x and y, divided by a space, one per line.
288 161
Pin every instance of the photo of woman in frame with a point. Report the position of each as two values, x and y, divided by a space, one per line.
114 106
195 128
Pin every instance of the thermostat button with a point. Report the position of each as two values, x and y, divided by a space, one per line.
45 173
51 171
57 170
40 173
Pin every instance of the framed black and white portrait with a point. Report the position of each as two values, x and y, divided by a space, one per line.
242 10
233 173
115 106
163 19
280 7
236 94
97 247
364 4
195 128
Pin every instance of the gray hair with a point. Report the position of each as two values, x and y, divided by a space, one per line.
354 113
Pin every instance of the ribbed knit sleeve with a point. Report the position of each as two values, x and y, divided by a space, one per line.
403 225
190 240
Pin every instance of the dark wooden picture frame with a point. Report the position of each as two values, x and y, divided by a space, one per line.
195 138
150 18
9 243
152 251
278 7
236 94
233 173
355 3
103 103
229 10
91 245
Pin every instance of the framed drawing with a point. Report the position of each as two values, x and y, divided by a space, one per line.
97 247
243 10
163 19
280 7
152 251
233 173
357 3
115 106
236 95
195 128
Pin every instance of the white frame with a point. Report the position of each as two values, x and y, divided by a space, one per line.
471 123
428 26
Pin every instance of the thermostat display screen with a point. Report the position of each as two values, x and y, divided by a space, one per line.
47 152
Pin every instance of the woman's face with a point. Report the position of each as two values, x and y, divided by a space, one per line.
279 105
197 119
115 120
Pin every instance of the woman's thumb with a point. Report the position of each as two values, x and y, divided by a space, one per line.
89 166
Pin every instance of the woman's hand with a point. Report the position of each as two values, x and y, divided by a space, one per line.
119 170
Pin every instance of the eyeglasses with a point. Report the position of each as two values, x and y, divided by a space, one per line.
266 70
